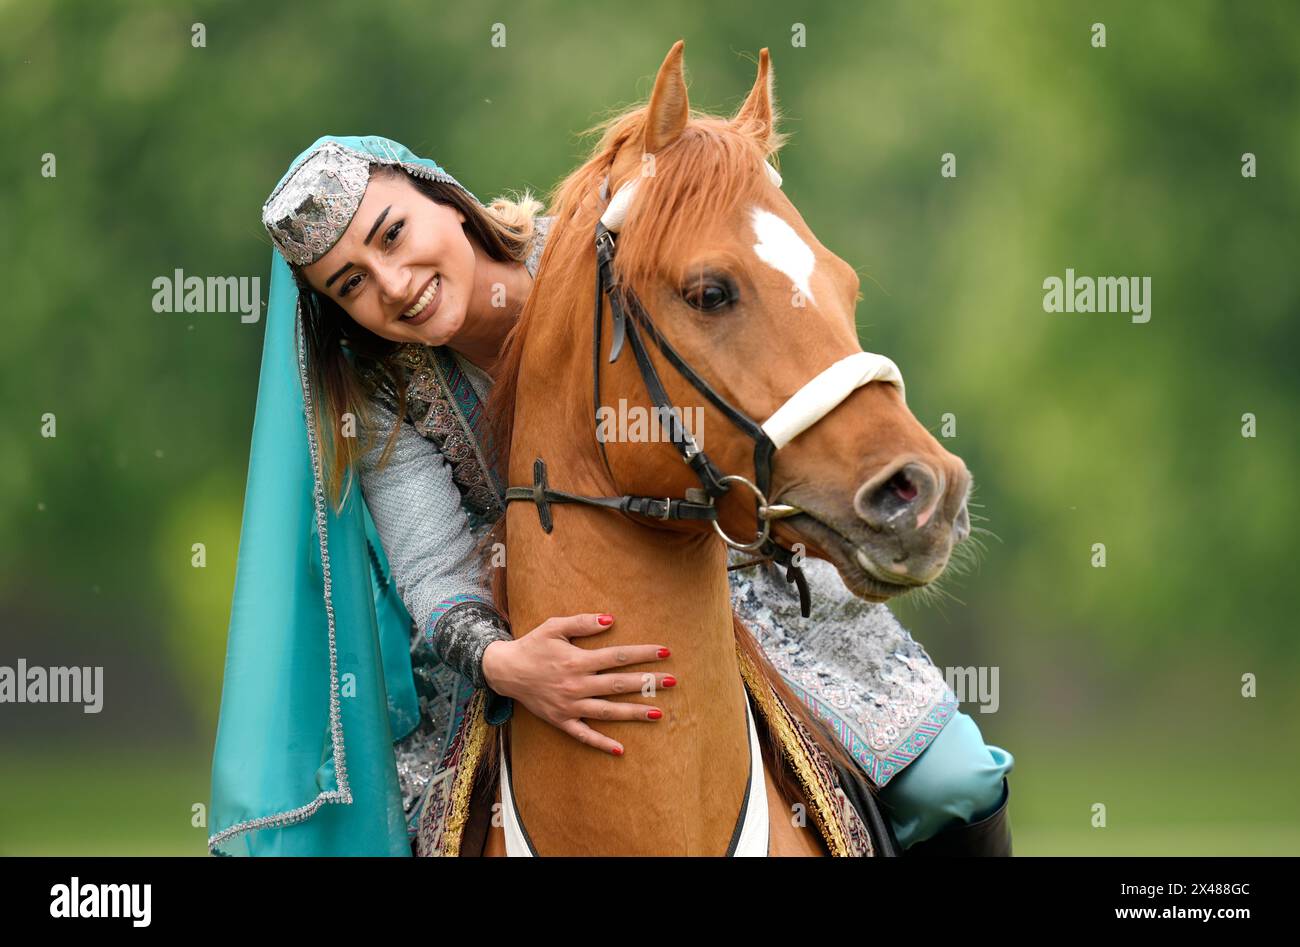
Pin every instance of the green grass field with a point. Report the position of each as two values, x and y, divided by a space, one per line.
89 802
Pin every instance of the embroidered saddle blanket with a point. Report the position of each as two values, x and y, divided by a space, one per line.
469 774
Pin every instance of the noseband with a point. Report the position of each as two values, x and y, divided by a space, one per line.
801 411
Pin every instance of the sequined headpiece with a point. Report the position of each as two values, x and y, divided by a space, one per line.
315 201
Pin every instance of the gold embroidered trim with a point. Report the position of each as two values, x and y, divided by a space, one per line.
825 811
476 737
481 479
434 411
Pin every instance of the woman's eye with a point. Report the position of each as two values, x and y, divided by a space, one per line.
393 231
707 295
350 284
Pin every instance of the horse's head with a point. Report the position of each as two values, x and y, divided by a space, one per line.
741 287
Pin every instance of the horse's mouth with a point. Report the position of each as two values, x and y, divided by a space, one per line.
858 571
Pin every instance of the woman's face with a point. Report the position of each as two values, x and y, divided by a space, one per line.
404 268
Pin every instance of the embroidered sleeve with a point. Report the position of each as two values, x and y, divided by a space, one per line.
461 633
431 547
851 662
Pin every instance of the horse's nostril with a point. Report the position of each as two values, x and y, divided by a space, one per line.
903 488
884 500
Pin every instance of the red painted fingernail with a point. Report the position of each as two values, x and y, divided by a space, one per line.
664 652
605 619
668 681
654 714
617 751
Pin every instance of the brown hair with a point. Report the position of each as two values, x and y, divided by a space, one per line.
347 364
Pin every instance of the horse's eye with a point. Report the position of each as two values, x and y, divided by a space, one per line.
707 295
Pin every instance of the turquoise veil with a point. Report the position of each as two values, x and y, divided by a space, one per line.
318 681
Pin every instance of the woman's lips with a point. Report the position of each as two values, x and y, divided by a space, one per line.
425 314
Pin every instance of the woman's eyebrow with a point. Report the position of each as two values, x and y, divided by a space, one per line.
347 266
342 270
378 220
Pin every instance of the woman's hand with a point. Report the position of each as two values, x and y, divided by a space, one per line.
561 683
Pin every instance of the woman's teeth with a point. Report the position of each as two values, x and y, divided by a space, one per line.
425 298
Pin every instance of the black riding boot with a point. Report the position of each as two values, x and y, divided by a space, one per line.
991 835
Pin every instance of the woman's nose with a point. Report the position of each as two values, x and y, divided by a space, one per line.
394 283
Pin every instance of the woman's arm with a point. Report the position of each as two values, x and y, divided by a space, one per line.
853 659
417 511
426 535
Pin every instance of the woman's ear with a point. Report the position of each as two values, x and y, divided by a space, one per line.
460 215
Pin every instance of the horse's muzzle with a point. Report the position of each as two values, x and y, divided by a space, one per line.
916 511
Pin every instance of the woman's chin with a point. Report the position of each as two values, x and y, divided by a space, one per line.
440 329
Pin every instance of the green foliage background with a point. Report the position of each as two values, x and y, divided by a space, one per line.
1119 686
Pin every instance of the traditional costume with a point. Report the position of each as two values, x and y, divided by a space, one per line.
354 711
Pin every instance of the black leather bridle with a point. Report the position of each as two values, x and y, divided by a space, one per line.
627 313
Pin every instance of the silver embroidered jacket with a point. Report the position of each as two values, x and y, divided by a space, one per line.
851 662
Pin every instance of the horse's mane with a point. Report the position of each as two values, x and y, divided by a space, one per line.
707 170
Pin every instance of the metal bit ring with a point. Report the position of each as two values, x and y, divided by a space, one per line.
766 524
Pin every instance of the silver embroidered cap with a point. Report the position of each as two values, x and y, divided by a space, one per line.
310 209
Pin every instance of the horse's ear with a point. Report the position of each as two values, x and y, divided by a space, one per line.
669 107
755 117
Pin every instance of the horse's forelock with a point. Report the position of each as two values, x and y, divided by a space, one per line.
714 166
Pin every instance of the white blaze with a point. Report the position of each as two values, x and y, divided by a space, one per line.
780 247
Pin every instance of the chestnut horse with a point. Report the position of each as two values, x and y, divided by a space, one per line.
752 302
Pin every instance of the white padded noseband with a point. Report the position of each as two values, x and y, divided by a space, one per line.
824 393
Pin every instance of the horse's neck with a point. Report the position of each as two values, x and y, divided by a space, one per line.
659 583
665 587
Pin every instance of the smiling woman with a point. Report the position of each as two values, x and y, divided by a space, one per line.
423 254
383 262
